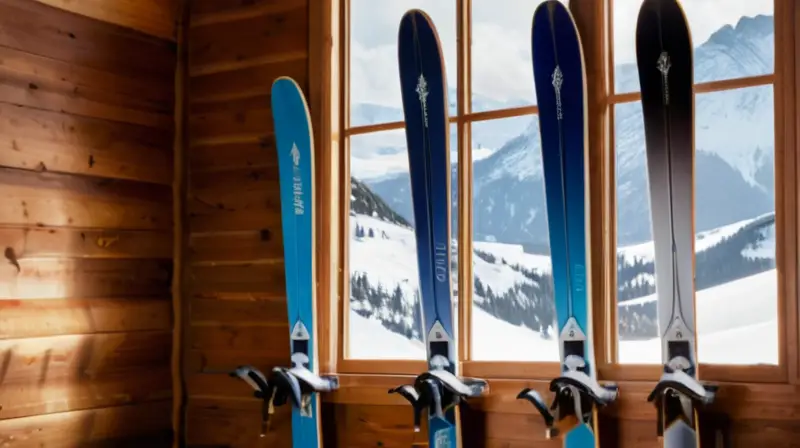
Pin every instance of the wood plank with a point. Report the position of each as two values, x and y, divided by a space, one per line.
52 317
249 40
385 426
43 140
205 8
139 425
153 17
129 89
63 395
236 247
242 117
253 154
85 243
36 361
23 89
272 338
246 280
49 199
237 312
83 41
215 219
244 179
221 384
246 82
235 190
79 278
235 424
64 373
216 361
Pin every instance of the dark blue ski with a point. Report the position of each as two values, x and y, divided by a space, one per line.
422 81
424 93
560 83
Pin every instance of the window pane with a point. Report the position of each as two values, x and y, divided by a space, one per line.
384 318
735 278
374 77
502 72
513 306
732 39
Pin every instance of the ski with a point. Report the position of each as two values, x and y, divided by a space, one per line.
424 95
301 383
665 64
560 83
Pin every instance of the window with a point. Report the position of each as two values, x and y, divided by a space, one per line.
503 249
735 259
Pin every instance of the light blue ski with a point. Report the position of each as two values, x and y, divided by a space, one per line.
294 143
299 384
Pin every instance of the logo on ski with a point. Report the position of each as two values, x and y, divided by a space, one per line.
558 81
297 185
422 93
663 66
443 439
440 261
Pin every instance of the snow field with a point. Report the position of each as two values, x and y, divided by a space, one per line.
737 321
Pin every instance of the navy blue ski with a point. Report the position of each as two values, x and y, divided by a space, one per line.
422 78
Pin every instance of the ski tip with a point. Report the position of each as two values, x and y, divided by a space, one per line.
284 81
414 13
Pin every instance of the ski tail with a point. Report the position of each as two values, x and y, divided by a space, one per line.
295 147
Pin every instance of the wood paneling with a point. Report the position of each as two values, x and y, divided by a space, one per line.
86 161
154 17
234 284
233 278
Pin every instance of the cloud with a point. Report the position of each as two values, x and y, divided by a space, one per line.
500 41
704 16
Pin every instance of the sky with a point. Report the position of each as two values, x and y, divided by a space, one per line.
500 43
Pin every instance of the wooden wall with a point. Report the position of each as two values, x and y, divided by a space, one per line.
233 279
234 299
86 171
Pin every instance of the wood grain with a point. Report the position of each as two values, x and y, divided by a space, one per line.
83 41
154 17
42 140
247 42
86 221
59 242
235 283
51 317
118 426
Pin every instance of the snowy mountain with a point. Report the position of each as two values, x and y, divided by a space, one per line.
734 151
735 275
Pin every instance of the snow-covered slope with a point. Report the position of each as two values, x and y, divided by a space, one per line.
513 308
723 338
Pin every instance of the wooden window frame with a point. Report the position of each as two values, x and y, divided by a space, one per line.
595 22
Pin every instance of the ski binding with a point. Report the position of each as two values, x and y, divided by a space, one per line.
296 384
678 394
576 395
438 390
